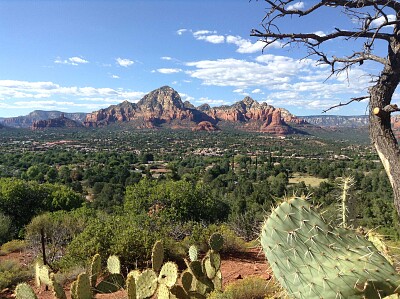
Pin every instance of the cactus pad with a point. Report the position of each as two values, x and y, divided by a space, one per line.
83 288
113 264
196 269
209 268
157 256
193 253
111 284
313 260
146 284
73 290
24 291
168 274
94 269
187 279
57 288
216 241
131 285
163 292
177 292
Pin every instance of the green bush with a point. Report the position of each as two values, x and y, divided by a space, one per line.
248 288
201 234
12 246
12 273
131 238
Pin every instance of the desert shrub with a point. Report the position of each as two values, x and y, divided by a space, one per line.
248 288
6 229
129 237
58 228
12 273
201 234
12 246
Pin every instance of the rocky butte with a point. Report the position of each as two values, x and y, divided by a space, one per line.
164 107
59 122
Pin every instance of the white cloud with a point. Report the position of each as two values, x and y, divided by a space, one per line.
214 39
166 58
71 61
300 82
245 46
115 76
296 6
203 32
168 71
211 102
181 31
13 91
125 62
378 22
257 90
77 60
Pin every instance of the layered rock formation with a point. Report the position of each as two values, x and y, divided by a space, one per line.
164 106
205 126
59 122
157 107
276 125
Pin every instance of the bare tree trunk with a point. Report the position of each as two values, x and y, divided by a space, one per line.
381 133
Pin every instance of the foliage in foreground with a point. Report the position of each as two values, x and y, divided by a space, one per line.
324 261
248 288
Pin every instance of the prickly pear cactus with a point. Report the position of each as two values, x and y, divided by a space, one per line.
42 274
193 253
157 256
131 285
110 284
146 284
83 289
216 242
95 269
163 292
168 274
57 288
113 264
313 260
24 291
73 290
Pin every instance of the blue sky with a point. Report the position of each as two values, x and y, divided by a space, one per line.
80 56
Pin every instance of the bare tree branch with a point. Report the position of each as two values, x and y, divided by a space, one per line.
359 99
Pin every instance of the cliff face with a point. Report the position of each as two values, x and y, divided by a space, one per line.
60 122
276 125
159 106
164 106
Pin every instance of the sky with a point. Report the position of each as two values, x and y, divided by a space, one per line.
81 56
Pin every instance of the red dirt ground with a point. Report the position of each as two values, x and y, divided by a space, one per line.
233 267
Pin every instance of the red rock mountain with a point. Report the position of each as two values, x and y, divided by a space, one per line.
164 106
59 122
205 126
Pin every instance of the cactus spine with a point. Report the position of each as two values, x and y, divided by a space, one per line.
313 260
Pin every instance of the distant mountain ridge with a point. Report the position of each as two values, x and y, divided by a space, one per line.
36 115
355 121
59 122
164 106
